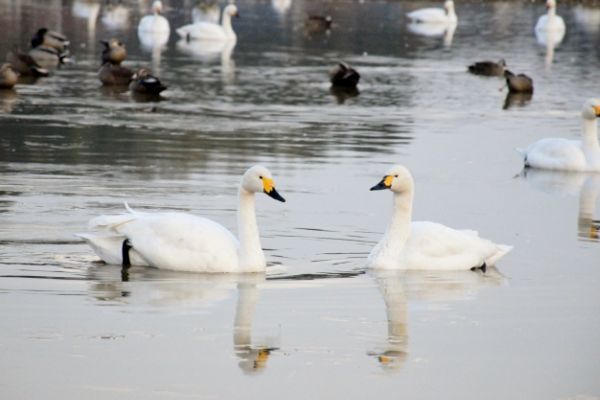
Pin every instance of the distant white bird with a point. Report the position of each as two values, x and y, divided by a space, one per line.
550 21
565 154
209 31
426 245
185 242
154 22
435 15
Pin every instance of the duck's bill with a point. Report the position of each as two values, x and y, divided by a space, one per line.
384 184
274 194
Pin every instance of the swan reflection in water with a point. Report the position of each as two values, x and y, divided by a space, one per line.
584 185
399 287
210 51
445 30
156 290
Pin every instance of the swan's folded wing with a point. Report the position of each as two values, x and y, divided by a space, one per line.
202 31
556 153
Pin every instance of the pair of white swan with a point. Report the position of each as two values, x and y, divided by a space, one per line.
180 241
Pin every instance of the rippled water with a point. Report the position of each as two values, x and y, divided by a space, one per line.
317 325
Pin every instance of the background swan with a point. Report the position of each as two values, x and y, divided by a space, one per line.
184 242
550 21
435 15
565 154
426 245
154 22
210 31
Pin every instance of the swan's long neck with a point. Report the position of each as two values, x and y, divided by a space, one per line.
551 12
226 23
451 14
251 256
389 248
591 148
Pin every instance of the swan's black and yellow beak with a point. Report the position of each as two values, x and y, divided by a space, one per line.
385 183
597 110
269 189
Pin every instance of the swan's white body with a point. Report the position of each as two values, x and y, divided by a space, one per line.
435 15
426 245
569 155
209 31
551 21
154 22
184 242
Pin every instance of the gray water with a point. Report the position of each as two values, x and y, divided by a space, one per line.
317 325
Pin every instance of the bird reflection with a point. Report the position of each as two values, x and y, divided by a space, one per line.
281 6
516 99
549 39
210 51
399 287
585 186
160 289
434 30
342 94
89 10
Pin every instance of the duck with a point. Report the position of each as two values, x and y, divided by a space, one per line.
24 64
154 22
185 242
488 68
112 73
8 76
49 38
445 15
343 75
520 83
318 23
550 21
48 57
561 154
209 31
408 245
142 82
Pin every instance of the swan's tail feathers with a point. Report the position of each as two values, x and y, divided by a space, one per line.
106 245
109 222
501 252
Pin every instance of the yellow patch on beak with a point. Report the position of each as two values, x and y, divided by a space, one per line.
387 181
593 234
268 185
597 110
384 359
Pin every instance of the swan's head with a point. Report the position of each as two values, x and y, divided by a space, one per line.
449 5
258 179
591 109
550 4
231 10
157 7
398 179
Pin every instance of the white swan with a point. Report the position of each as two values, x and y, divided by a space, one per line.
154 22
435 15
551 21
565 154
426 245
210 31
184 242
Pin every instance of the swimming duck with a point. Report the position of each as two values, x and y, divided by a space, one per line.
426 245
8 76
488 68
209 31
435 15
24 64
344 75
518 83
53 39
185 242
144 83
565 154
111 72
154 22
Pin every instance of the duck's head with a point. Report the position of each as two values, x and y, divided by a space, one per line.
141 73
398 179
231 10
259 179
157 7
38 37
591 109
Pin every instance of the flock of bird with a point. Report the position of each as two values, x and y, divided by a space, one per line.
181 241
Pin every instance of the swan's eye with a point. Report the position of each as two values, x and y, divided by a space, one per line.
395 176
260 177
